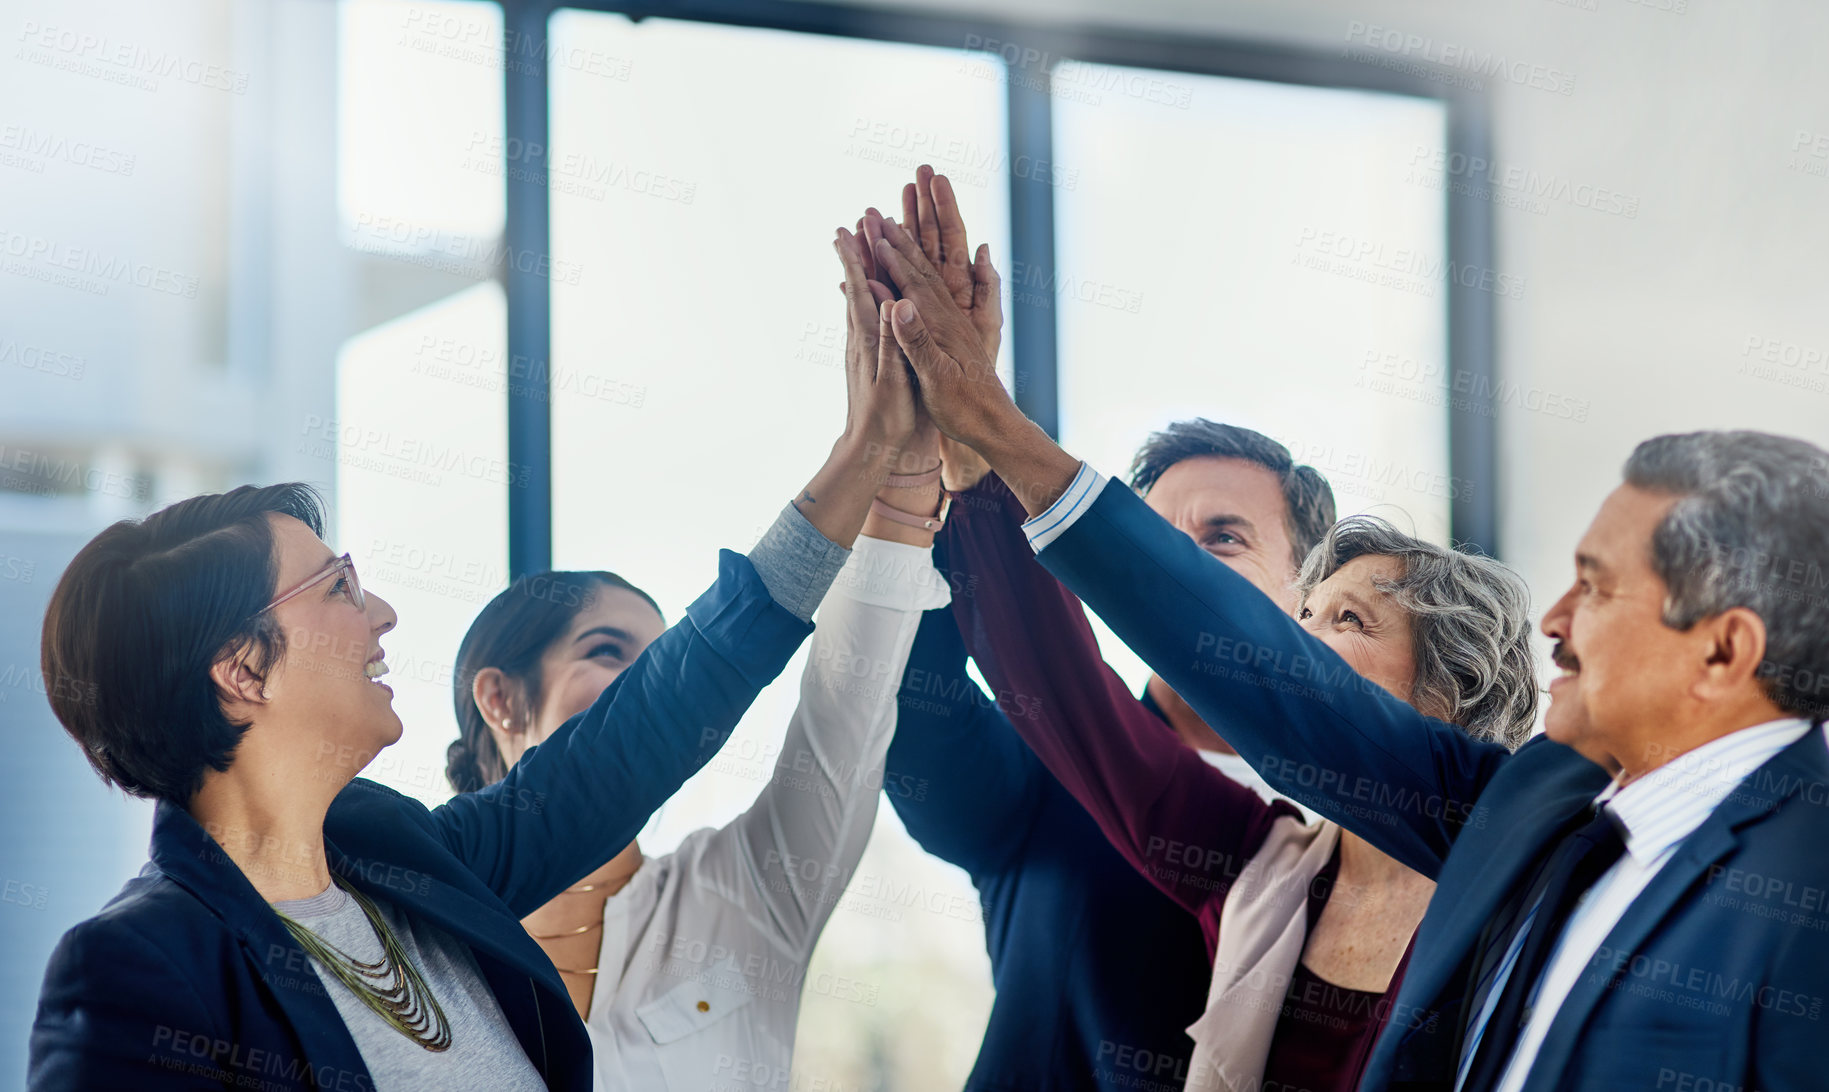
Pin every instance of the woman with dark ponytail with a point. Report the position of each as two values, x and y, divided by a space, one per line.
724 927
511 634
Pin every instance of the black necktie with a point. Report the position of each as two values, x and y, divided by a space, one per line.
1581 858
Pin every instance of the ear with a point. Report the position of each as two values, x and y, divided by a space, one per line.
490 692
1736 647
236 681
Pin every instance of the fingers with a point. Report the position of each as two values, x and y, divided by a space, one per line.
926 227
955 263
901 256
868 248
891 363
860 301
851 256
911 205
987 292
917 345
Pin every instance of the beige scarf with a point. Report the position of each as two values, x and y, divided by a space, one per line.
1263 928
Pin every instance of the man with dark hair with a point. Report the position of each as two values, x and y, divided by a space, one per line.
1098 973
1049 880
1223 486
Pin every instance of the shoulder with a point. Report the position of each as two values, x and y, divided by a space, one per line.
368 802
127 949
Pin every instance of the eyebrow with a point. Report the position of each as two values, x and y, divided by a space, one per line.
1352 599
605 631
1227 519
1589 561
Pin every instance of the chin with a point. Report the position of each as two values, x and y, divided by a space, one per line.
1563 723
388 729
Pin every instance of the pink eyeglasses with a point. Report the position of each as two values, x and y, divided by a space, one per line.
337 565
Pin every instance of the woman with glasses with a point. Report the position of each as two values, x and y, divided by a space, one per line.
300 928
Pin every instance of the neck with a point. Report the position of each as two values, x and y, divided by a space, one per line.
1362 864
1182 718
271 827
582 902
1668 744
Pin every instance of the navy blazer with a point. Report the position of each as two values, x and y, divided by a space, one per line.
1714 978
188 980
1097 972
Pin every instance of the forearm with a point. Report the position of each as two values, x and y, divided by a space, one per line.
574 801
1144 787
958 775
820 804
1317 731
837 499
1028 460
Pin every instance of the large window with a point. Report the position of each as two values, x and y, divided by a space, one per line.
697 173
1258 254
418 443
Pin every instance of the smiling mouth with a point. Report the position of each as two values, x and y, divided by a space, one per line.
376 668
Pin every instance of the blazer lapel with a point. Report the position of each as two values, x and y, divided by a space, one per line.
1758 797
451 899
185 852
1484 871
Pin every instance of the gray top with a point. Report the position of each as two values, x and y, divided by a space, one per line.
797 564
484 1055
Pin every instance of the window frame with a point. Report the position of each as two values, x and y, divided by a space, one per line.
1472 425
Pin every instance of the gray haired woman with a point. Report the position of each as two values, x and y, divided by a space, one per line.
1308 924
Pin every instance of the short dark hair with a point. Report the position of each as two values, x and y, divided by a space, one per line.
1308 501
1751 529
511 635
141 615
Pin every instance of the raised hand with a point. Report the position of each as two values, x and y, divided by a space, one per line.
881 411
959 384
958 381
930 211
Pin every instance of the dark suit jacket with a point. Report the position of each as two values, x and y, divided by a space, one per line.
1716 975
188 980
1097 972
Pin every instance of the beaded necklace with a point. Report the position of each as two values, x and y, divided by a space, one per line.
390 986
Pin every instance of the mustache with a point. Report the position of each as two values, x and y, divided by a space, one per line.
1563 658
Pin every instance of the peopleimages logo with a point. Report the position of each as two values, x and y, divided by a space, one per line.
1385 45
85 268
1522 182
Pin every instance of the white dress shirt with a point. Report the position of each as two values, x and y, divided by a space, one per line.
1658 810
705 952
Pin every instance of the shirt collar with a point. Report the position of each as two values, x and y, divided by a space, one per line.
1666 805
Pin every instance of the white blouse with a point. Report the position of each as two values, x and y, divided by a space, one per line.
705 951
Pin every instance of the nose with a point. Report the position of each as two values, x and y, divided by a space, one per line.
380 612
1556 619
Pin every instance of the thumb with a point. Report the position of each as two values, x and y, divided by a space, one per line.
917 344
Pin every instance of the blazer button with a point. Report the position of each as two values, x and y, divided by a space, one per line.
704 1006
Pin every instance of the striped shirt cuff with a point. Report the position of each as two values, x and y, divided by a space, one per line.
1050 525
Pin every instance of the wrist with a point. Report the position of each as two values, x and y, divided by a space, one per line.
1029 462
918 505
